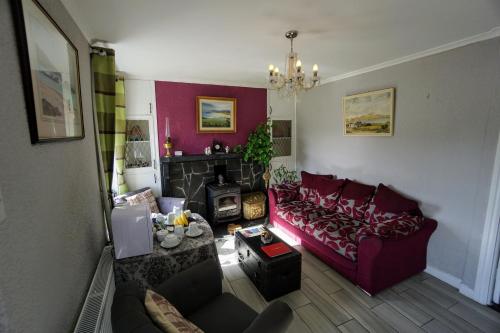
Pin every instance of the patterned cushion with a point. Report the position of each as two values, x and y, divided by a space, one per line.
308 190
286 192
299 213
146 197
328 192
166 316
337 231
354 199
373 214
394 228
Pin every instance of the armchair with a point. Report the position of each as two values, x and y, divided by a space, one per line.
197 294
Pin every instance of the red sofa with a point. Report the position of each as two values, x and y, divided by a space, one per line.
373 238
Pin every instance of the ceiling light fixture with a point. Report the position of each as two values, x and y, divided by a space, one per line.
293 80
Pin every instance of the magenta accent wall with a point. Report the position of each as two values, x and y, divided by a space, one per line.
177 101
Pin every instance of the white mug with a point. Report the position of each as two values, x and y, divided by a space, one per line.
177 211
193 228
170 218
161 234
171 239
179 230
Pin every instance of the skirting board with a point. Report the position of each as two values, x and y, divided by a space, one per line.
452 281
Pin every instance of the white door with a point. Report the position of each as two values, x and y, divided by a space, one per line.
142 168
283 109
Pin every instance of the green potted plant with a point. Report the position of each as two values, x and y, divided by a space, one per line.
282 175
259 148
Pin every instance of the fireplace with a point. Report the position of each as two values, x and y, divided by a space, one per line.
223 198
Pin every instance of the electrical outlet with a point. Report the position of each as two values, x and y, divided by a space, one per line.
2 208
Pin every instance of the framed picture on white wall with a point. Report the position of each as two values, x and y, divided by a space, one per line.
369 114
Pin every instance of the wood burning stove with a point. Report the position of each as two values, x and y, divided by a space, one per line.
223 199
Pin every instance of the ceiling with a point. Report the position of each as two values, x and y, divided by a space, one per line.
233 41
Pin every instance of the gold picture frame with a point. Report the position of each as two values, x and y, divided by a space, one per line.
215 114
369 114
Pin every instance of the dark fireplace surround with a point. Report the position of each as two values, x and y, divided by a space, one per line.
187 176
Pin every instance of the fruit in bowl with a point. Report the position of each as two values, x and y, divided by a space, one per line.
266 237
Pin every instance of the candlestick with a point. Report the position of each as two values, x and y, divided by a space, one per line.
167 128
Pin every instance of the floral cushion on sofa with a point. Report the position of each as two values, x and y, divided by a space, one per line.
308 189
374 214
328 192
354 199
394 228
286 192
337 231
299 213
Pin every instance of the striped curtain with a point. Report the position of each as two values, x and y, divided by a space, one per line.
109 96
120 134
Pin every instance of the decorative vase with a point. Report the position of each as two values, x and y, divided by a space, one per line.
168 147
266 176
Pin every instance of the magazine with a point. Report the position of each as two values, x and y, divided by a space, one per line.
252 231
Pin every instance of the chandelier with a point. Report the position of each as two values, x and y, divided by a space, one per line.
294 79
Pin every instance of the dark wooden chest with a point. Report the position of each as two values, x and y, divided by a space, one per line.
273 277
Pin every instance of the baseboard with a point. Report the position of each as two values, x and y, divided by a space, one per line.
467 291
443 276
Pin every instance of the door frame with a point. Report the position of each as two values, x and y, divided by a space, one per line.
490 246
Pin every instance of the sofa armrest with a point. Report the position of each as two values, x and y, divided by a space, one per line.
191 289
274 319
385 262
398 227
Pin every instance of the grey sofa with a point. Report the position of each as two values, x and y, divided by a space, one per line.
197 294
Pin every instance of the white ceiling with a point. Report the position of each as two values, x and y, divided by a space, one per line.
233 41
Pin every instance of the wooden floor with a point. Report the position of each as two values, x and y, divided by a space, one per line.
327 302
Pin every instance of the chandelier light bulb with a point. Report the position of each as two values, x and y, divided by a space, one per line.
276 70
298 64
271 67
315 68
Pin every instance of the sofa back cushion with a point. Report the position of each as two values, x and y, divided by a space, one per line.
308 190
387 204
328 192
354 199
286 192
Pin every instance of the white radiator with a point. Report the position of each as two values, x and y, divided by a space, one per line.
96 312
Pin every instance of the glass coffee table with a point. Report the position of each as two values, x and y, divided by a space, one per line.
273 276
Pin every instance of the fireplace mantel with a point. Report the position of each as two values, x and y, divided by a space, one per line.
186 176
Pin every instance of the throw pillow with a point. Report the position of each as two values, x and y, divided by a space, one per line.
166 316
146 197
354 199
286 192
387 204
394 228
328 192
308 191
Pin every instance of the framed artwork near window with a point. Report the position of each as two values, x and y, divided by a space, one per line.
51 77
215 114
369 114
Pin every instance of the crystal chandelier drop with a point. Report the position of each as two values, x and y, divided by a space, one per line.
294 79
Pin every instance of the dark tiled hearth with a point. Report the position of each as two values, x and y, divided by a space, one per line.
186 176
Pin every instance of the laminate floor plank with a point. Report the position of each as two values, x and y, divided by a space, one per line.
233 272
352 326
360 295
396 319
365 317
475 318
435 326
295 299
226 287
400 287
437 296
315 319
306 255
297 325
406 308
325 282
448 318
332 310
246 291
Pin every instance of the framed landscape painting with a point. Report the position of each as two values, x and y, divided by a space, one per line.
215 114
369 114
51 78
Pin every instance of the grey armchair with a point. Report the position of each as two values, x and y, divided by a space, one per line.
197 294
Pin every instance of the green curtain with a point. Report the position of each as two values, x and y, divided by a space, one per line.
120 134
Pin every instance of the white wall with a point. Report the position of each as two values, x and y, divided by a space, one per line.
53 235
447 120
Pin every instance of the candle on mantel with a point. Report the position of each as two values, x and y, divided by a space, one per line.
167 128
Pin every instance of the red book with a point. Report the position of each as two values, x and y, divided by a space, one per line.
276 249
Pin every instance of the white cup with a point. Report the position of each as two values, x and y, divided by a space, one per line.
193 228
187 212
179 230
161 234
170 218
177 211
171 240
